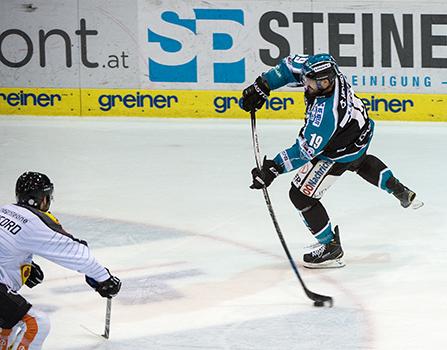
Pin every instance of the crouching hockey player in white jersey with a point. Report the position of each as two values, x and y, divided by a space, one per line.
335 137
28 228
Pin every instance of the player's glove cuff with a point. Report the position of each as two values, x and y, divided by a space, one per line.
254 96
36 276
108 288
265 176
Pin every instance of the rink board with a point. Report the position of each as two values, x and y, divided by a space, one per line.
201 104
193 58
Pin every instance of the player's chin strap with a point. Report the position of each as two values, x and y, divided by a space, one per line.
317 298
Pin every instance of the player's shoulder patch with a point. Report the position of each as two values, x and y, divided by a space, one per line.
300 59
51 216
317 113
47 218
50 220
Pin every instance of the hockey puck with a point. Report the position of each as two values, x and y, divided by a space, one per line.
318 303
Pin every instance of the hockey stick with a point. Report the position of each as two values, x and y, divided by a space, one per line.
107 323
108 313
318 299
17 335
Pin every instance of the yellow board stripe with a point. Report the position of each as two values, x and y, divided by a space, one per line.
40 101
201 104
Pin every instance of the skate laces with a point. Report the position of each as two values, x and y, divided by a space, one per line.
318 252
311 247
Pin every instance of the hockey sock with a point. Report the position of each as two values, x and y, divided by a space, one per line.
317 221
4 335
313 214
37 327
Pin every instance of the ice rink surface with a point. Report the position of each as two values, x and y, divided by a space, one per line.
165 205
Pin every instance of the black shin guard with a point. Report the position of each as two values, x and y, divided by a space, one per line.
313 212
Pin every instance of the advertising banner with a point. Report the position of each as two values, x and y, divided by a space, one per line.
68 44
193 58
392 46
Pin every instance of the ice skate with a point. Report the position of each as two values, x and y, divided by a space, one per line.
325 256
406 197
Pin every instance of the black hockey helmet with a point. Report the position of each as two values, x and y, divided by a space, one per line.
32 188
321 66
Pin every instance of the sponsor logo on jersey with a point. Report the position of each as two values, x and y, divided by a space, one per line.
15 215
317 114
315 177
285 156
286 160
343 89
306 151
299 59
301 174
25 272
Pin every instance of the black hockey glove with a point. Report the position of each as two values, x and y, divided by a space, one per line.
266 175
254 96
35 277
107 289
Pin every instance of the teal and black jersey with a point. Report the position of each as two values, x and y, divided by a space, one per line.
336 127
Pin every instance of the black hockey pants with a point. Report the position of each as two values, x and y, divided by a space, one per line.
316 177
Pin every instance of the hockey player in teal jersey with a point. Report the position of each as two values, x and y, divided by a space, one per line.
335 138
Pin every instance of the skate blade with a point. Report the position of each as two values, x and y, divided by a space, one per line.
330 264
416 204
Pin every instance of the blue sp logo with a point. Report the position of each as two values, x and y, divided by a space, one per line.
198 49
